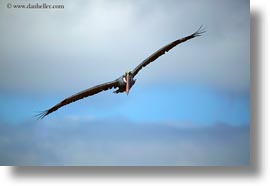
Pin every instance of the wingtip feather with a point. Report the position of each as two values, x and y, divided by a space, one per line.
199 32
41 115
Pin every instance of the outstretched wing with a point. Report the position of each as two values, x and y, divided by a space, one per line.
166 48
78 96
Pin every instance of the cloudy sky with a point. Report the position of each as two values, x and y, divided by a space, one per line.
189 107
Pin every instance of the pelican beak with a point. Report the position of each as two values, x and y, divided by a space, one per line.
127 84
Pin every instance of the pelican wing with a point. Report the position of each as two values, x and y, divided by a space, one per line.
164 49
83 94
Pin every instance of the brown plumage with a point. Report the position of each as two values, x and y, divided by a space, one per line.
120 82
165 49
88 92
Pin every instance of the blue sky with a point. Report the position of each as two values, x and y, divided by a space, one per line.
197 94
193 104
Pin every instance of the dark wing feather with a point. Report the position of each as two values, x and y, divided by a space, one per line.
88 92
166 48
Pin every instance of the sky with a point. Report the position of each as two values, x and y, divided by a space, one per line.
195 99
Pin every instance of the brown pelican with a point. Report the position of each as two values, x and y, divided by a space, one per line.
124 82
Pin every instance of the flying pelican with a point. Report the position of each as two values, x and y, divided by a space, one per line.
125 82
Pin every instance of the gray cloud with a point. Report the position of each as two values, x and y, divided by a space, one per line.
85 142
98 40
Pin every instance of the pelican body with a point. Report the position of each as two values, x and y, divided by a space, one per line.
124 82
